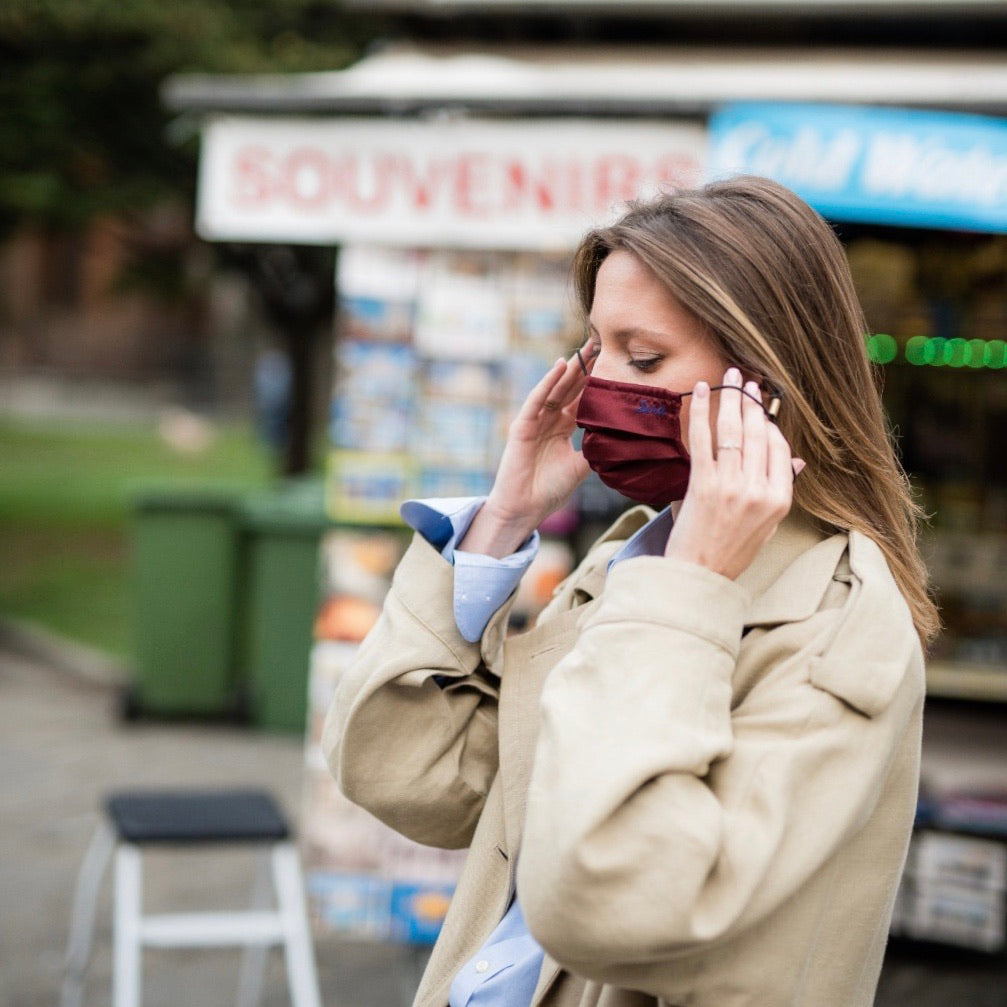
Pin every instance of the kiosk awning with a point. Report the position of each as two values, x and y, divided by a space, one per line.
639 81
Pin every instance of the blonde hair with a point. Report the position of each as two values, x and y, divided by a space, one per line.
770 281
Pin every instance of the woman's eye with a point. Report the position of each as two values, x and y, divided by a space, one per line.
644 363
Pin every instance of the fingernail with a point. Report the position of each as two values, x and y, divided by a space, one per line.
753 389
799 466
734 376
702 389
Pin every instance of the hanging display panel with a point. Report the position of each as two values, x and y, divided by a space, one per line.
436 351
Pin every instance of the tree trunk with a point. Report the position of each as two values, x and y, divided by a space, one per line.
300 347
296 286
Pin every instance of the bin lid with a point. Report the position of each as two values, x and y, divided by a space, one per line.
294 505
183 497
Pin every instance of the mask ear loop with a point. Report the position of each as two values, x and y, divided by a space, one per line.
771 411
775 401
580 360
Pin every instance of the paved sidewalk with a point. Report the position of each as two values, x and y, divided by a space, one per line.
62 749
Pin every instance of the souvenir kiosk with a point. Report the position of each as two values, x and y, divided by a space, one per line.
454 238
455 185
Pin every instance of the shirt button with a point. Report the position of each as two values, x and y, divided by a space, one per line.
482 966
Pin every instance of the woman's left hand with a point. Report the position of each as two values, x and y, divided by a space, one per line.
738 495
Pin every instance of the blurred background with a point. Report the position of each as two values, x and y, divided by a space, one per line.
268 268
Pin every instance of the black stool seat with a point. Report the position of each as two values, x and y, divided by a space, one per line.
136 819
196 816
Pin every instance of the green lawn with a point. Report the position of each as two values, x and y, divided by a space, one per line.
65 506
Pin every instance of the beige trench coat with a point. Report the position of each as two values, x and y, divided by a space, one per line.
711 783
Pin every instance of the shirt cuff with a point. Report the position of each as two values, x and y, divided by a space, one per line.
442 521
482 583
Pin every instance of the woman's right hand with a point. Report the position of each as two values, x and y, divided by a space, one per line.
539 468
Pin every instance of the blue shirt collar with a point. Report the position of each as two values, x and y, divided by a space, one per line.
650 540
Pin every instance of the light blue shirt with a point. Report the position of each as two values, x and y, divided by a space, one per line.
505 970
482 583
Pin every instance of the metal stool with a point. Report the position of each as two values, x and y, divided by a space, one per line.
177 818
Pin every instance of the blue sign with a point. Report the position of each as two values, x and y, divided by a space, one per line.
875 165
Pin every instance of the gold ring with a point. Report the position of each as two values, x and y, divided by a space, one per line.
552 406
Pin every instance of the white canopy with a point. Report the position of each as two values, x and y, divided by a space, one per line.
637 81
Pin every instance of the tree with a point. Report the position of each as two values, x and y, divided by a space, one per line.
295 287
83 132
82 128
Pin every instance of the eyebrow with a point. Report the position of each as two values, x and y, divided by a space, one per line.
624 335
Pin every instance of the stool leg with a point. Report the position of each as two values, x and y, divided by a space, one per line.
126 954
85 903
300 957
253 958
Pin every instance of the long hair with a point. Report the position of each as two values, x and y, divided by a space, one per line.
770 281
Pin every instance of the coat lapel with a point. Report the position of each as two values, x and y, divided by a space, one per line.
789 577
550 970
528 659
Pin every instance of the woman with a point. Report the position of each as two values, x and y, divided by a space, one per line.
693 781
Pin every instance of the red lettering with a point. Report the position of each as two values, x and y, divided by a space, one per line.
253 181
341 173
420 186
576 201
470 188
306 178
521 186
677 171
367 184
617 179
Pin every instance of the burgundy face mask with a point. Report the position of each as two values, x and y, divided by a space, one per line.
633 437
633 440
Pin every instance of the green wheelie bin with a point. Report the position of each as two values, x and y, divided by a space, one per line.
186 566
283 530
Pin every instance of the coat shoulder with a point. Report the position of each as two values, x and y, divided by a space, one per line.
874 653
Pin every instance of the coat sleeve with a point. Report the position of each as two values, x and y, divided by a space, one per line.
660 821
412 732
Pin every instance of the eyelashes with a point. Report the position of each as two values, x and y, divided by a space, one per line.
644 364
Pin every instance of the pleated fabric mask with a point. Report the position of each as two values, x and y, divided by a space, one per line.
633 440
633 437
